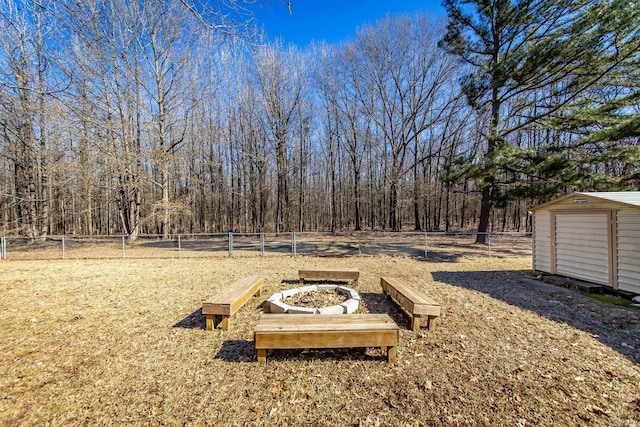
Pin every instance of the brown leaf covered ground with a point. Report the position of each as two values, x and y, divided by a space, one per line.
122 342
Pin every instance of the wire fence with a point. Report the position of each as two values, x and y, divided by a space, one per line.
428 245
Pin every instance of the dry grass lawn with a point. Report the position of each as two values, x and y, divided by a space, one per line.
122 342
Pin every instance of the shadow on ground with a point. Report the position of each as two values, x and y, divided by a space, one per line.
382 304
195 320
614 326
333 249
360 354
237 351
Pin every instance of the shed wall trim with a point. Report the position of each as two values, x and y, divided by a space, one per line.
542 241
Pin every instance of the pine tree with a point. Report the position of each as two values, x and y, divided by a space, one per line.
531 60
605 122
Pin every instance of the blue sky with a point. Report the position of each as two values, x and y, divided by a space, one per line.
330 20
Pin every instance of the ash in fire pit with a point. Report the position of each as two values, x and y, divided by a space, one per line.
320 299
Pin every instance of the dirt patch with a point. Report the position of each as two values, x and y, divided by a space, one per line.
123 342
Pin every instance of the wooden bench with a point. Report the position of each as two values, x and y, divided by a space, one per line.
414 302
298 331
329 274
228 301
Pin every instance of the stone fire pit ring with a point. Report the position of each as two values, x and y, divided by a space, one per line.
349 306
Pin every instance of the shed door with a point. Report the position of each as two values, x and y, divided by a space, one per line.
582 246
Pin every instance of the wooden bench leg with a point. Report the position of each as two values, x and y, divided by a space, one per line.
262 355
259 293
301 281
431 322
392 354
210 320
226 323
415 323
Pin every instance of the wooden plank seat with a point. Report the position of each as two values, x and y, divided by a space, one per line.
304 331
414 302
350 274
229 300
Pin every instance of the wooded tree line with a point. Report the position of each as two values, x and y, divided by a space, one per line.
148 116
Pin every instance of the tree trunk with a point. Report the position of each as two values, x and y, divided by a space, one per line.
416 193
393 206
486 202
356 201
485 214
282 202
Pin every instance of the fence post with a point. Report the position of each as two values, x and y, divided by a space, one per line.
3 248
63 247
230 245
179 247
261 244
489 243
426 245
294 250
123 243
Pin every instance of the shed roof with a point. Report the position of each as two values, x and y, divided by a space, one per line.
629 198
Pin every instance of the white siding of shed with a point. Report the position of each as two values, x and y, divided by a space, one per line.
628 239
542 242
582 246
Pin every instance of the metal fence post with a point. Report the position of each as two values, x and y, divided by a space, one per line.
294 250
123 243
230 245
489 243
3 248
63 247
426 245
179 247
261 244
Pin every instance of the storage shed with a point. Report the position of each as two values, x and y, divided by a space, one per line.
590 236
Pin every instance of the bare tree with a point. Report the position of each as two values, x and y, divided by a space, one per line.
25 78
162 35
402 90
281 81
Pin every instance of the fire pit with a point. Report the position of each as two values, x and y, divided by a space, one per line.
291 300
